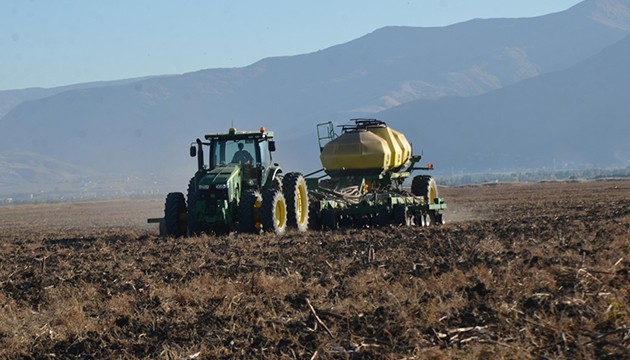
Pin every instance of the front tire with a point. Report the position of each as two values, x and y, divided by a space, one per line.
249 212
274 212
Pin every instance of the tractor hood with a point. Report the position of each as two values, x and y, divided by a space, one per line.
219 176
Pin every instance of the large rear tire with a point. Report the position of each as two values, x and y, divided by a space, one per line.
249 212
277 182
274 212
194 228
425 186
175 215
296 194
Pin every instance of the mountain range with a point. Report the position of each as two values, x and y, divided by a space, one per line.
575 117
483 94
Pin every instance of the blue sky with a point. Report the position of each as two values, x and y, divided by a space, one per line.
47 43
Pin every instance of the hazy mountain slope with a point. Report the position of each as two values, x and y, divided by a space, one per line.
146 125
11 98
398 64
578 116
22 168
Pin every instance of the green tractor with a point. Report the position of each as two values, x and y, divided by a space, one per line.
238 189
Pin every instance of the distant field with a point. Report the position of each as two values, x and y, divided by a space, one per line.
519 271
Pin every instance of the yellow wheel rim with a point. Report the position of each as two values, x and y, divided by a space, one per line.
432 192
281 211
301 209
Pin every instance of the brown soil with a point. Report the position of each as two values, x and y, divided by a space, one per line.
519 271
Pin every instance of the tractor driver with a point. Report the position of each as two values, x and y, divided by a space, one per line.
242 156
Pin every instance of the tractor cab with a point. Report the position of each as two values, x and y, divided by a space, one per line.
248 151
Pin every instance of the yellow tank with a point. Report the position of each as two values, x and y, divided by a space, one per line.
404 145
357 151
393 143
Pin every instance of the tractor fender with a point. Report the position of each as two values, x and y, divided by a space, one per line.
273 173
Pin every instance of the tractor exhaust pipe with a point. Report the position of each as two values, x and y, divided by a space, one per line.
199 155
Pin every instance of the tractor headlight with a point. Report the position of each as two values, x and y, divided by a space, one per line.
222 191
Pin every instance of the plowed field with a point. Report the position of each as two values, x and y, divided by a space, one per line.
519 271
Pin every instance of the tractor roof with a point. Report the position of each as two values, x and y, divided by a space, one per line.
233 134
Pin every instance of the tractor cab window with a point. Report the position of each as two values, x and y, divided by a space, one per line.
245 151
232 151
265 155
241 151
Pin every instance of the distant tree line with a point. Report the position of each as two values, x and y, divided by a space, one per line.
535 176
